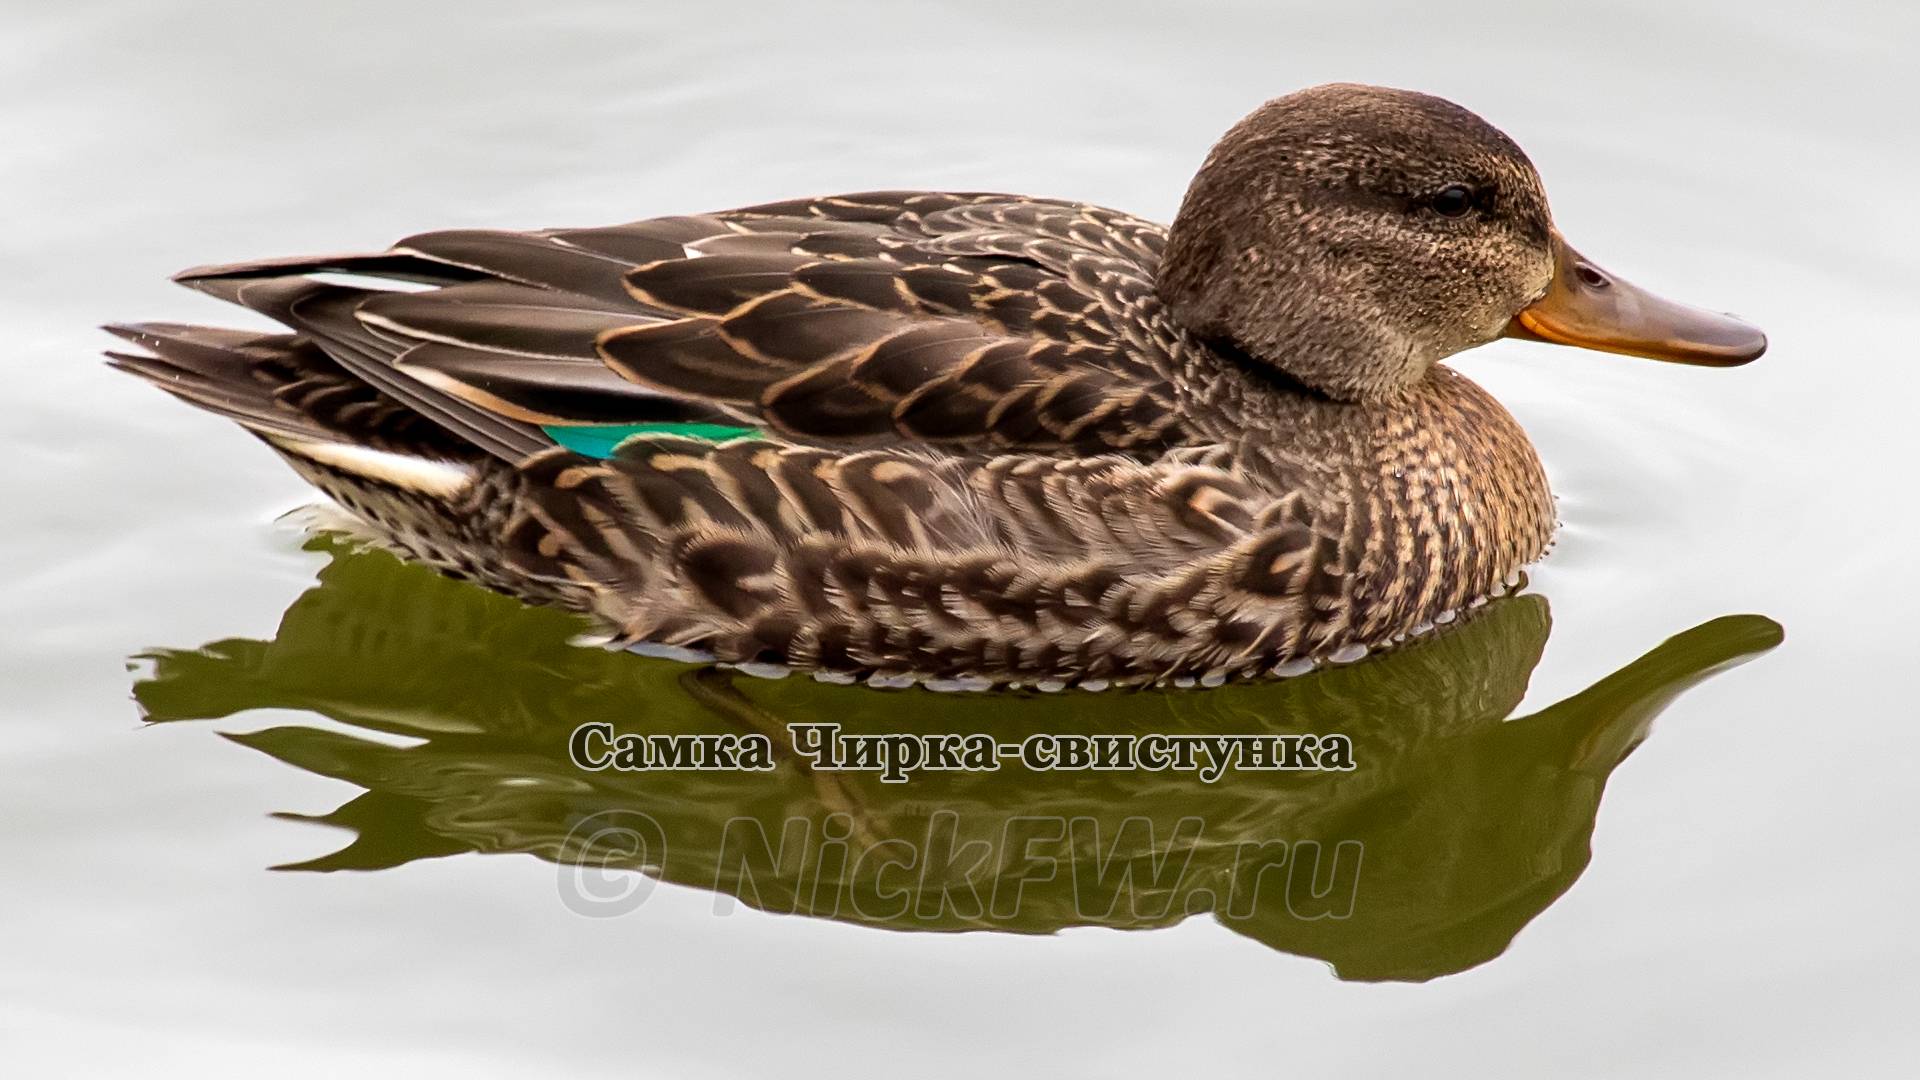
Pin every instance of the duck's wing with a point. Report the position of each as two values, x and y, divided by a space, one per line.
953 320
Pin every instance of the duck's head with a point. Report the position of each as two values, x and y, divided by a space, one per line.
1353 236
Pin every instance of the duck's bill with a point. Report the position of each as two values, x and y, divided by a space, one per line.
1591 308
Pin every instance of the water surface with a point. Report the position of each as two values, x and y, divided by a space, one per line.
1734 898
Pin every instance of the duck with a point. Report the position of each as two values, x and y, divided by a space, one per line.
965 439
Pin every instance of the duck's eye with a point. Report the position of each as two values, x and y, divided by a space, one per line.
1454 200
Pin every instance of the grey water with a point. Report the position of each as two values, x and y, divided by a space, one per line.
183 678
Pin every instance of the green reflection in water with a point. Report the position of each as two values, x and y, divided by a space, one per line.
1456 829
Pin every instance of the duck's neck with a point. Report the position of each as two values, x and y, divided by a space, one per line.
1440 479
1263 414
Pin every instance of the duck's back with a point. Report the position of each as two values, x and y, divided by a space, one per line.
959 321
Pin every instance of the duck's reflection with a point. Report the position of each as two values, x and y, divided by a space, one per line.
1457 827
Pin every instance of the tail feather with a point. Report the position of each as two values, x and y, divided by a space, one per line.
326 313
279 386
392 467
427 471
221 371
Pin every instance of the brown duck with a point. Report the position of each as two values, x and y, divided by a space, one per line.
965 438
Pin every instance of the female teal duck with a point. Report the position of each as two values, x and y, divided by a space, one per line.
966 438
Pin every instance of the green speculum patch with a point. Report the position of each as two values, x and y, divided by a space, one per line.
600 440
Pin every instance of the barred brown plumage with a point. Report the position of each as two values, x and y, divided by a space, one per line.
999 438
